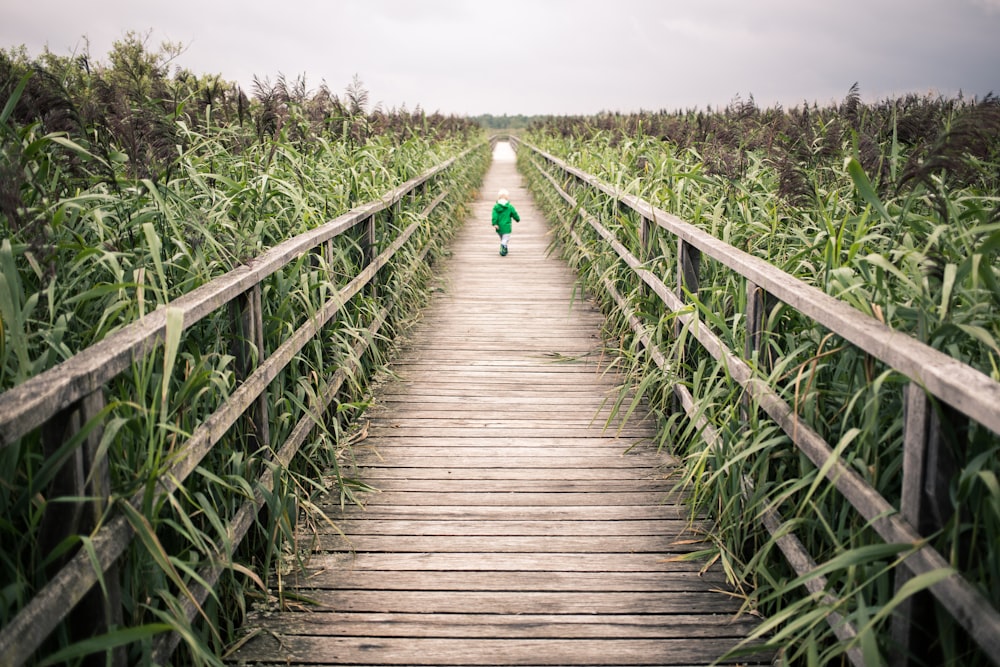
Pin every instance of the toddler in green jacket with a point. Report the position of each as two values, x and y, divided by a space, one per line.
503 212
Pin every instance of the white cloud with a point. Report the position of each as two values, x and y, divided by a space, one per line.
558 56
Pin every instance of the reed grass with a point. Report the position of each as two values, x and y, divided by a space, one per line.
101 226
822 194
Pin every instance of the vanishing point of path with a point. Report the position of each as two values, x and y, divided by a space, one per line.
511 527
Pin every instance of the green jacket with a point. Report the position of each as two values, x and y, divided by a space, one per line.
502 213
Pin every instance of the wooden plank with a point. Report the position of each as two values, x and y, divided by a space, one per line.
580 405
489 389
551 485
497 460
524 626
311 650
489 444
434 526
420 428
539 369
523 601
609 443
538 544
499 430
374 474
505 511
619 582
509 376
503 562
563 512
471 415
612 499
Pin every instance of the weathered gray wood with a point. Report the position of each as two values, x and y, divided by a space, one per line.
523 626
498 429
756 305
550 484
493 506
917 409
311 650
83 476
754 336
506 562
495 452
928 469
247 348
554 472
530 415
489 390
408 580
165 645
495 443
517 527
513 602
559 544
509 512
688 264
516 499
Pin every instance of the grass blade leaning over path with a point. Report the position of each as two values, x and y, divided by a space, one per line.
871 207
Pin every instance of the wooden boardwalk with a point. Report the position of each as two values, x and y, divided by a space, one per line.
510 527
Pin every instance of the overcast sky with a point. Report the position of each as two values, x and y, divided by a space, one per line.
552 56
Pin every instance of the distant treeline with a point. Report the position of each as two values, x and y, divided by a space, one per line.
505 122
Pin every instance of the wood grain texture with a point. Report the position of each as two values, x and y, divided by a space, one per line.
515 518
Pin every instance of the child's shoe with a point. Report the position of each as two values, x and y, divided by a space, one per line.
503 251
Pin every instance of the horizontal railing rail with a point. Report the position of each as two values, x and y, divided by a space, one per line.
933 374
73 391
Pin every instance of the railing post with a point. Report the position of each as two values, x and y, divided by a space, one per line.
756 297
368 251
928 467
688 261
645 238
645 249
756 306
83 474
247 348
368 242
328 255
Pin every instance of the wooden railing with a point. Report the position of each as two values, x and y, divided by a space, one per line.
934 377
67 404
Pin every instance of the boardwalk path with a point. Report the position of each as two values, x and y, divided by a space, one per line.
510 526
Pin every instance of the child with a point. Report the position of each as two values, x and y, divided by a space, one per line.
503 211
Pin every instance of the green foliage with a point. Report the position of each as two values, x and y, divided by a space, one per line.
122 189
505 122
891 207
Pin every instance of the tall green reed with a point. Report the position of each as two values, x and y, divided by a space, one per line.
99 241
916 258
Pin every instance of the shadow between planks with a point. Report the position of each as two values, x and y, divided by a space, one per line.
516 516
